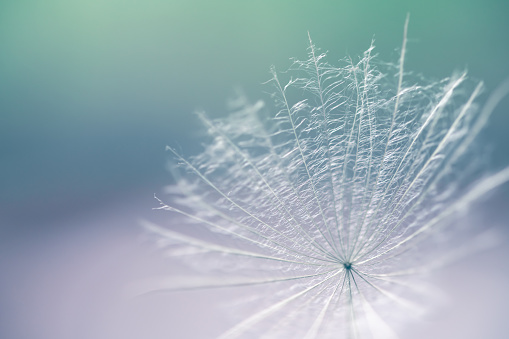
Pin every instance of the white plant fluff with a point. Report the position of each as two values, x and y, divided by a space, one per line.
326 211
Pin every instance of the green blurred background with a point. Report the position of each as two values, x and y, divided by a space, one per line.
92 91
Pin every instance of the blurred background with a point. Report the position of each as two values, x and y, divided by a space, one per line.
92 91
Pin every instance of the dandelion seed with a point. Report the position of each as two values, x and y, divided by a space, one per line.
331 204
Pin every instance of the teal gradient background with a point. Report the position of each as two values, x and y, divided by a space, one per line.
92 91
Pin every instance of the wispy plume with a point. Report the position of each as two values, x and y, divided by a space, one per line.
328 208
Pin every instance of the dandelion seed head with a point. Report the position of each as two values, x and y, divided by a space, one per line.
326 206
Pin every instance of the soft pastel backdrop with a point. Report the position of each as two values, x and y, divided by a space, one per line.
92 91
